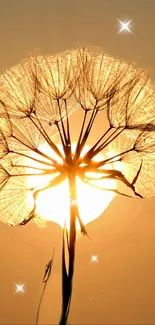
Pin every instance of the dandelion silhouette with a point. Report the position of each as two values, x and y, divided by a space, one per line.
36 100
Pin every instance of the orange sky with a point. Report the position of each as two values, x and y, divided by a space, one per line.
122 285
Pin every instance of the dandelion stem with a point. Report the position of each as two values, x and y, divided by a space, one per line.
67 277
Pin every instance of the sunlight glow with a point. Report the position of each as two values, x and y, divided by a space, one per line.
54 204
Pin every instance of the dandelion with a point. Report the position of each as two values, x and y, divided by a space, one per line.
36 100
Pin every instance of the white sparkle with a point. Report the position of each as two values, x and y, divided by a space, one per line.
94 258
19 287
125 26
74 202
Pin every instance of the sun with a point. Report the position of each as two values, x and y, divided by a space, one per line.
54 204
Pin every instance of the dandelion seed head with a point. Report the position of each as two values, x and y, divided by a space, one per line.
39 95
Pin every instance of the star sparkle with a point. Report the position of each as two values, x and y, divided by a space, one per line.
94 258
74 202
125 26
19 287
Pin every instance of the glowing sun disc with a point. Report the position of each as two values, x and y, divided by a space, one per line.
54 204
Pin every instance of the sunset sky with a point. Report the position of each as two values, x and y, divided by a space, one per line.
120 287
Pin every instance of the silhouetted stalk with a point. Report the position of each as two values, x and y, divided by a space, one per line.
80 145
67 275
